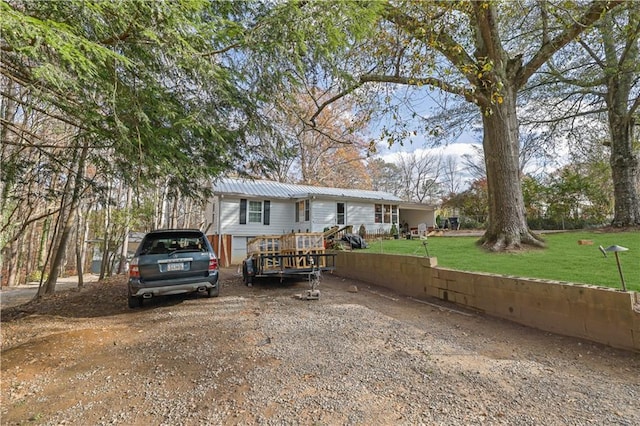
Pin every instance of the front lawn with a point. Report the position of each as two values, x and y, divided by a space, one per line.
563 260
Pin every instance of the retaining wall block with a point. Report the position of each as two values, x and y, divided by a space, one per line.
603 315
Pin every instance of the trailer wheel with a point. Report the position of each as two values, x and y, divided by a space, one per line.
246 278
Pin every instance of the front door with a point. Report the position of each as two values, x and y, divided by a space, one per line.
341 214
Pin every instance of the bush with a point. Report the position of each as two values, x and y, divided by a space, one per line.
35 276
554 223
470 223
439 223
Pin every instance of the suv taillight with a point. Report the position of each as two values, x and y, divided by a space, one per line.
213 263
134 271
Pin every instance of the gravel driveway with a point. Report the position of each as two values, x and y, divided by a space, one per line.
261 356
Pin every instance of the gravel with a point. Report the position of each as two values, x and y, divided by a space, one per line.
261 356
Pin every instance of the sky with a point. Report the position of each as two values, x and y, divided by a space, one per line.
466 143
458 148
421 147
425 104
421 111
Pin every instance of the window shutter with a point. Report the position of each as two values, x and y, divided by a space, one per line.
297 212
267 211
243 211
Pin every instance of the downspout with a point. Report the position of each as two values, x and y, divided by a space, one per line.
312 199
219 225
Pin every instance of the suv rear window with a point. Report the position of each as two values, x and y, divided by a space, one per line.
171 242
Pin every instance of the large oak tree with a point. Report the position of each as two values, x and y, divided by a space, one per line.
484 52
599 79
495 69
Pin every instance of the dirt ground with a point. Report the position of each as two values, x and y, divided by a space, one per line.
259 355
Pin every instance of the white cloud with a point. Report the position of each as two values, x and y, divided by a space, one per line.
455 149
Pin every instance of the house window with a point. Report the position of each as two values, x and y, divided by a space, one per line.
341 214
378 218
302 211
255 211
386 213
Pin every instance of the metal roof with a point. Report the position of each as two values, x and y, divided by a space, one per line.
271 189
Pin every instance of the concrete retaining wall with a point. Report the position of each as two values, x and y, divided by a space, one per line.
598 314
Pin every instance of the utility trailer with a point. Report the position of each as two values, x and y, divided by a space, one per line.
290 255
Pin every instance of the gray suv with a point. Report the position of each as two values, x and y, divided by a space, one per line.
172 261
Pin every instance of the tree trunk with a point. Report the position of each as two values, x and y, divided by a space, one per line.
625 170
174 212
104 263
188 210
79 265
67 215
82 234
166 210
507 226
125 242
107 235
47 284
163 206
12 263
623 160
79 246
22 257
29 262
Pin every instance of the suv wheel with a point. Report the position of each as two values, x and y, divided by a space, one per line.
213 291
135 302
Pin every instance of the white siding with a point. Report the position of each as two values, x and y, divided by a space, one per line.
324 214
281 219
359 214
364 214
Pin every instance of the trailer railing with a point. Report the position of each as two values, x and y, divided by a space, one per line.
293 264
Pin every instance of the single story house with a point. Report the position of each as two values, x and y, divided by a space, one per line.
243 209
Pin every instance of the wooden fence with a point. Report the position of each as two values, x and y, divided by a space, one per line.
222 247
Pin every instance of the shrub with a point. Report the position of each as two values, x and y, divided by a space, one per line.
470 223
36 276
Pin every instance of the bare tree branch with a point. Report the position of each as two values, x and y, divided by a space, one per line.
547 50
468 94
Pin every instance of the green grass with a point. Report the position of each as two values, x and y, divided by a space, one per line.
563 260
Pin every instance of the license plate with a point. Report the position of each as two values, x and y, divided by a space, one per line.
175 266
